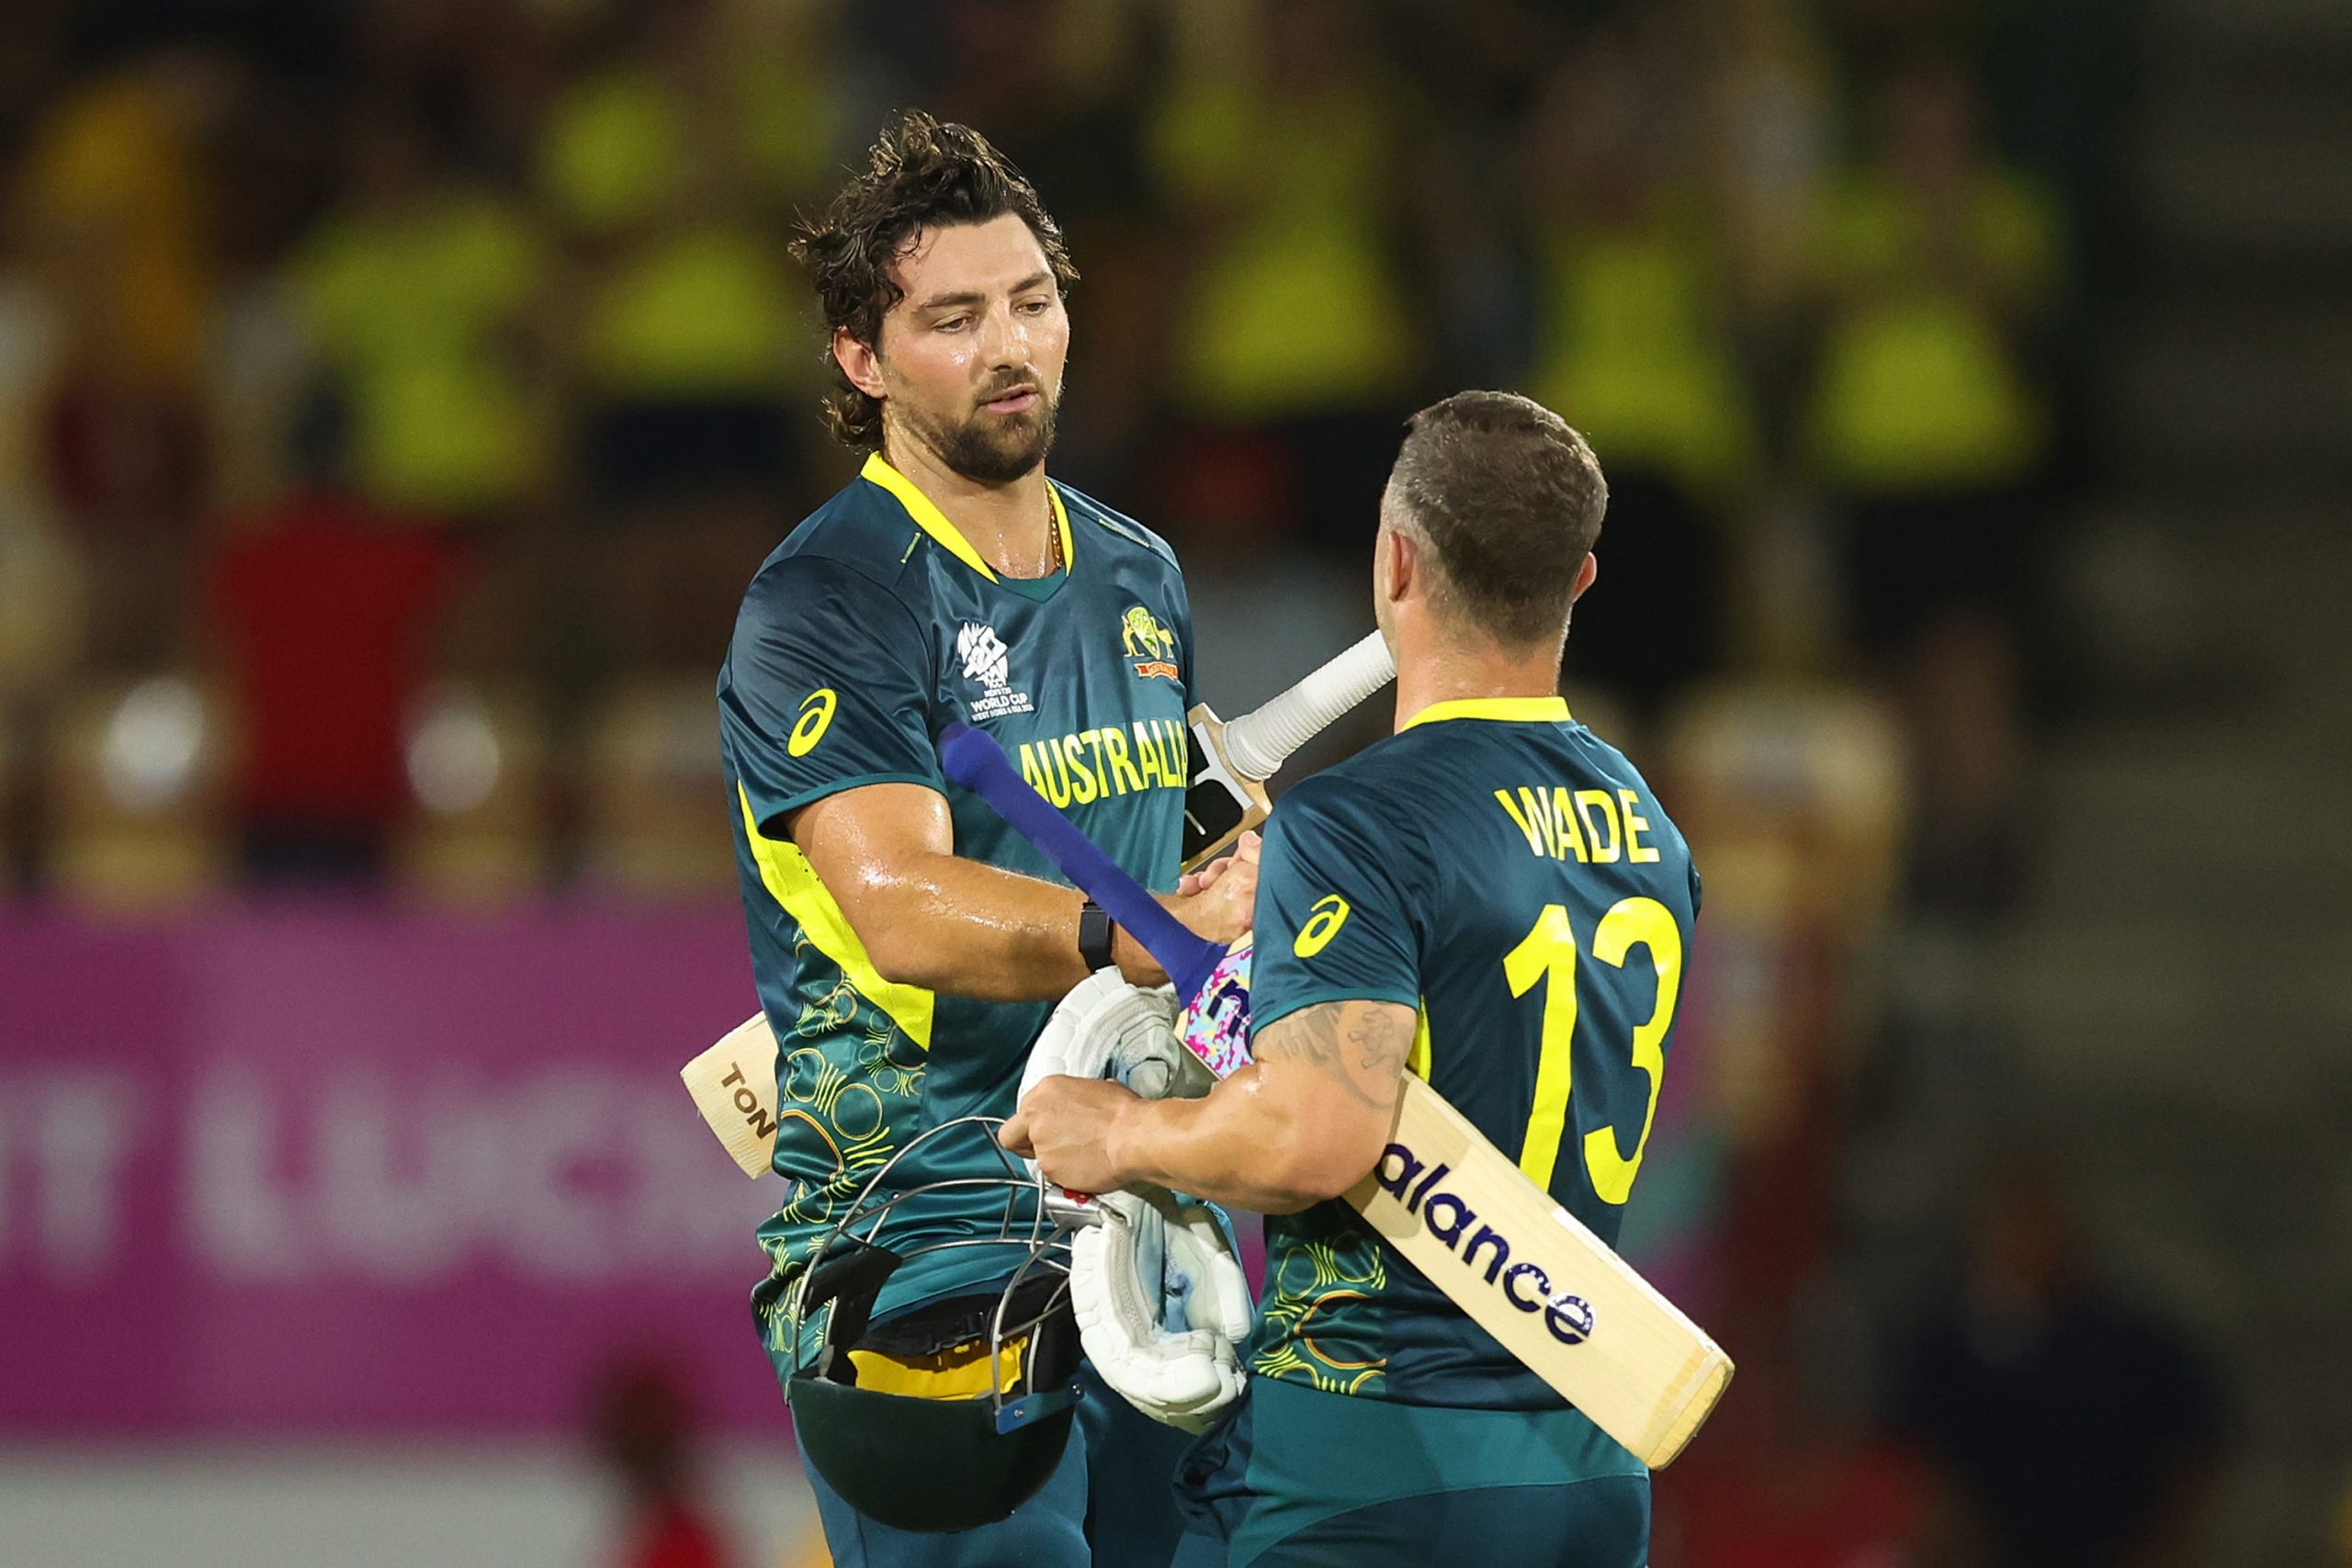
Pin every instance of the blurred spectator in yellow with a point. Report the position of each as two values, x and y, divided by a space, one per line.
421 296
693 92
1637 352
114 198
1933 262
2075 1430
1933 265
323 607
667 166
1283 143
113 210
125 457
644 1435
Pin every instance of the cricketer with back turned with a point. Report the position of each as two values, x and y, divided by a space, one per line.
1492 900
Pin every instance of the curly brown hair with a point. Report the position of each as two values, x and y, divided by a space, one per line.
922 174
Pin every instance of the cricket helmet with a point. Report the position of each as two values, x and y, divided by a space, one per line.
980 1389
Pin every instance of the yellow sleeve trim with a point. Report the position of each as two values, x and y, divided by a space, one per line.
1418 1063
1503 710
792 882
933 522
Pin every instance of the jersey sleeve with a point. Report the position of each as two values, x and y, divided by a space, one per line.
1183 602
827 687
1333 919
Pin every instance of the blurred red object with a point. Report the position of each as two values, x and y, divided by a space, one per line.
125 457
644 1431
1785 1479
1864 1505
322 611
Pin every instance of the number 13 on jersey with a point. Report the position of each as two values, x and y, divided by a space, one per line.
1547 956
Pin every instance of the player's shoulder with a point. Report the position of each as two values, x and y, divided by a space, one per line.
1091 522
854 549
1355 796
1606 761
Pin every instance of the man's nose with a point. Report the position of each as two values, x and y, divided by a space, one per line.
1004 339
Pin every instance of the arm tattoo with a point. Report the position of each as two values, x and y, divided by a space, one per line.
1360 1046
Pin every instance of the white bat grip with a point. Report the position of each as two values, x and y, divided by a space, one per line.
1261 741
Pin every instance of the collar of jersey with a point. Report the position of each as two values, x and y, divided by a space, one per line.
1502 710
933 522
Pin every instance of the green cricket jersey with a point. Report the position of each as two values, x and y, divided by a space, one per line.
1500 868
871 628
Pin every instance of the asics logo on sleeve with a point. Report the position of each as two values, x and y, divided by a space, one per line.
1323 923
816 718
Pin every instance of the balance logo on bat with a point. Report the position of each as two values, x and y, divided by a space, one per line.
1446 1215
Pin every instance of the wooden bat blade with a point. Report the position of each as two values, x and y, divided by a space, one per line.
1220 802
1534 1277
733 1085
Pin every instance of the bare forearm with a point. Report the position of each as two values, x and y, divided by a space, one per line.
971 930
1234 1146
929 917
1302 1124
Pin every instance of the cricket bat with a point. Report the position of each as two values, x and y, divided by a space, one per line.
1231 763
1458 1209
733 1082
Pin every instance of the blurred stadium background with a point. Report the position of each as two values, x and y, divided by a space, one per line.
396 396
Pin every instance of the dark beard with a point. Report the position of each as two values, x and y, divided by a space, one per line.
993 450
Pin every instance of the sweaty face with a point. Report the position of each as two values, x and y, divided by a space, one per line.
971 357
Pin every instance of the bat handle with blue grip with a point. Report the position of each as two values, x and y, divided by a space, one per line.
974 760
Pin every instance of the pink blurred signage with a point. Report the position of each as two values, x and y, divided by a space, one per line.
334 1169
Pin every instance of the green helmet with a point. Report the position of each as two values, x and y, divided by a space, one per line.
983 1455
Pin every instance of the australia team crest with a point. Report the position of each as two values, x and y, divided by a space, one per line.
1152 646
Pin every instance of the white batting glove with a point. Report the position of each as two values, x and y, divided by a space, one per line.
1108 1029
1162 1305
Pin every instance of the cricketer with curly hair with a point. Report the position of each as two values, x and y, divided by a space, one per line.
907 947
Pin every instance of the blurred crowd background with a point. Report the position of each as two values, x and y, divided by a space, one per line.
396 395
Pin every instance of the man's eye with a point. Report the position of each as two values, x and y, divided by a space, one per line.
951 324
1032 307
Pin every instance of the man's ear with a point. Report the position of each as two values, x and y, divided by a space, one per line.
1401 563
858 362
1586 574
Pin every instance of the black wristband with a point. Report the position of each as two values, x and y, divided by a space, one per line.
1094 930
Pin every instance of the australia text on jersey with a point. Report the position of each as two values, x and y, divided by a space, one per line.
1086 765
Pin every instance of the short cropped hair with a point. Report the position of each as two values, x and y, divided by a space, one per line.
1509 499
922 174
